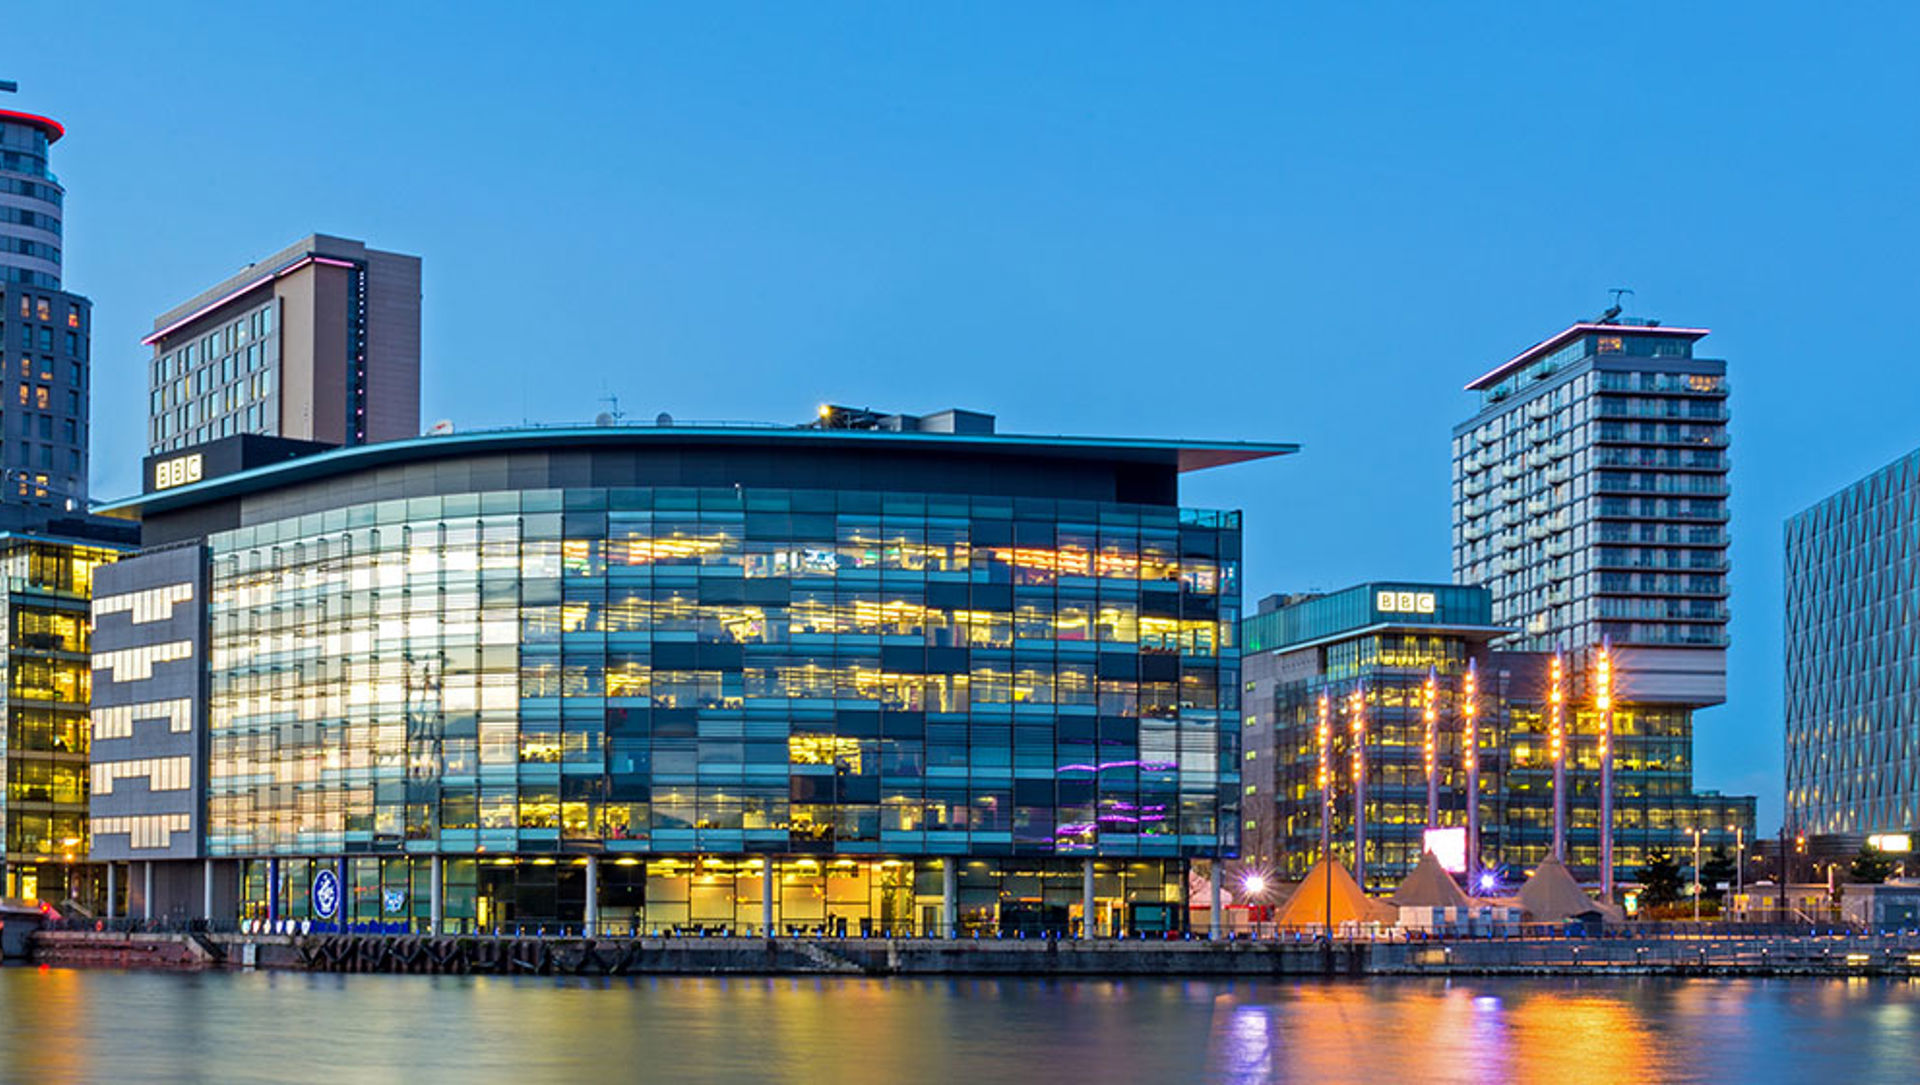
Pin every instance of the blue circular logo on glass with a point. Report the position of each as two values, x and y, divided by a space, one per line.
326 893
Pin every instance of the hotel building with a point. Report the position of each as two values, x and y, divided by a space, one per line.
319 342
1852 699
915 677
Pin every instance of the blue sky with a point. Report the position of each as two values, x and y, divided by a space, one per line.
1223 222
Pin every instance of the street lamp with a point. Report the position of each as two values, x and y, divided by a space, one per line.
1357 730
1470 755
1696 873
1603 707
1556 748
1429 748
1739 858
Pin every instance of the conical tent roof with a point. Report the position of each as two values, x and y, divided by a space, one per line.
1330 891
1551 895
1428 885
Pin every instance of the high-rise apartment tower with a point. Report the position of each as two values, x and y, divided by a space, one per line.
44 378
1590 498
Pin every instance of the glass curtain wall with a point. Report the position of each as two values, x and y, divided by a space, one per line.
717 677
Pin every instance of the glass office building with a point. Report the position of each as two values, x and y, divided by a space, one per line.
706 677
1852 700
45 583
1371 648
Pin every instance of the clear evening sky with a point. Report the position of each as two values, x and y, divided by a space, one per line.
1183 220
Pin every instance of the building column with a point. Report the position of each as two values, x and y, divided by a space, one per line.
147 900
949 897
769 880
1213 890
436 906
113 886
273 890
1088 928
206 890
593 896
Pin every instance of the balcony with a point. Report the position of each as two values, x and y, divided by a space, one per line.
1661 437
1677 486
1664 384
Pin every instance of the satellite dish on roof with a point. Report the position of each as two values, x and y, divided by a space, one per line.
663 419
603 419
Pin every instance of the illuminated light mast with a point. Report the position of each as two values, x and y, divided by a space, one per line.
1357 731
1557 749
1326 778
1603 705
1470 760
1429 750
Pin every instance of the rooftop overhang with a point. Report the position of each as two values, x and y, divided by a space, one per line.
1182 456
1553 343
162 331
1482 633
51 127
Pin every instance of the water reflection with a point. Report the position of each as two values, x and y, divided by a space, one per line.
90 1026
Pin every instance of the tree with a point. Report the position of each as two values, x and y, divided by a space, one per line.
1716 870
1659 880
1870 867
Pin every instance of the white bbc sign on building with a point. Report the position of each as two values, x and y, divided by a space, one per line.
1404 602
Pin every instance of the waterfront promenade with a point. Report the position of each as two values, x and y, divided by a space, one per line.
1703 952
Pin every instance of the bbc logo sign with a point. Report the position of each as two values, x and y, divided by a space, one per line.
1404 602
177 471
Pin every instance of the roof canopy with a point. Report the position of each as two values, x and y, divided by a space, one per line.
1330 892
1429 885
1551 896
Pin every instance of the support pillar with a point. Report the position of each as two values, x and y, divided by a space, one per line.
273 890
1088 928
436 903
206 890
1213 890
950 898
113 886
592 916
146 903
769 882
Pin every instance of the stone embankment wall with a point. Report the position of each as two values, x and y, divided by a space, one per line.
1682 956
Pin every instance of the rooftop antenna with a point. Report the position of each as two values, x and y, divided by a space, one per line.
1620 295
613 414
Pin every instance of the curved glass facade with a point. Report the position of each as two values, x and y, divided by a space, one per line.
691 683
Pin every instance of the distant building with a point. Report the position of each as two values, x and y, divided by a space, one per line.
1379 641
44 370
1852 661
317 342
